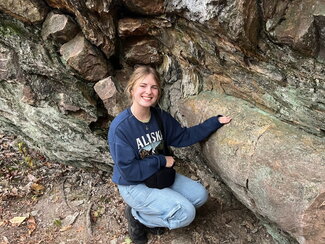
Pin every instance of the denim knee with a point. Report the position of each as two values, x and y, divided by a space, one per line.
202 197
182 215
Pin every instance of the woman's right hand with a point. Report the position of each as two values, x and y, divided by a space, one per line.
169 161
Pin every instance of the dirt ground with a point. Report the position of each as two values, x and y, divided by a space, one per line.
46 202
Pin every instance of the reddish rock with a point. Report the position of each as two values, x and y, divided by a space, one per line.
29 96
105 88
60 27
114 101
132 27
142 51
146 7
84 58
98 27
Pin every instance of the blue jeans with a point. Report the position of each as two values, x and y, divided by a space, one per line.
171 207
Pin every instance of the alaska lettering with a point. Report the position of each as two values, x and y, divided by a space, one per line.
148 139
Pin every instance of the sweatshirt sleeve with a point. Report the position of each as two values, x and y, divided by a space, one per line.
127 163
179 136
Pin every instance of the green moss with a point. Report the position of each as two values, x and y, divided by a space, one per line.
10 28
13 27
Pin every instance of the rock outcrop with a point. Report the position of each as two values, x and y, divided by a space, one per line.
62 77
43 103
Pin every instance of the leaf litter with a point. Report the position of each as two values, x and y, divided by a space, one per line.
47 202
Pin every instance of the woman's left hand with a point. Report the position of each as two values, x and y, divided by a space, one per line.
224 119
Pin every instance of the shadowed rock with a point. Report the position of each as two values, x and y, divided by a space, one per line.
146 7
98 27
140 27
84 58
60 27
273 12
298 27
142 51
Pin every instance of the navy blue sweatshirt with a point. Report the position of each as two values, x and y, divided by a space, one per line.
136 146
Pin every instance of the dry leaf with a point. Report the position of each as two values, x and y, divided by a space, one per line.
64 228
37 188
31 225
16 221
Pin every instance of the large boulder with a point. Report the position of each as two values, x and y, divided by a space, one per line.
275 169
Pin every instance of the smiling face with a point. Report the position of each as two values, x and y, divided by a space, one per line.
145 92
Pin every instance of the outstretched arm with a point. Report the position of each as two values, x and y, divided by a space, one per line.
179 136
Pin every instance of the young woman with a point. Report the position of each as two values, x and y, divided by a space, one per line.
134 139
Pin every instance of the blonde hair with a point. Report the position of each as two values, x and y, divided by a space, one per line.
139 73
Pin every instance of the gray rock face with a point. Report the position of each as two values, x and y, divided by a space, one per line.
44 104
281 84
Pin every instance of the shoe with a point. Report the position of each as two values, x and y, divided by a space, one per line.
137 231
157 230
